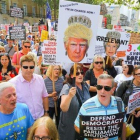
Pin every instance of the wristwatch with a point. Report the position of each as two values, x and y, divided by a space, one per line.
46 111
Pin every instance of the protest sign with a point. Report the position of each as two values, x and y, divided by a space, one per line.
112 43
49 52
34 28
133 102
135 38
42 27
17 32
132 55
44 35
77 30
105 126
16 12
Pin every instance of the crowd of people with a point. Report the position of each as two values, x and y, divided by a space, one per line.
30 98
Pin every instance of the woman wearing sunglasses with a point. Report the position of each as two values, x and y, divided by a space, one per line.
54 73
96 69
72 98
43 129
7 71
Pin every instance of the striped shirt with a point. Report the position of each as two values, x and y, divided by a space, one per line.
49 87
94 107
136 88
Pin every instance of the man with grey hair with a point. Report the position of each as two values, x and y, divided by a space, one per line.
102 104
15 118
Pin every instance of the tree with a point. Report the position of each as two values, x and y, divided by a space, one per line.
54 4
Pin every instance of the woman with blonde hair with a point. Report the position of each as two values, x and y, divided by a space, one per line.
96 69
54 73
2 49
43 128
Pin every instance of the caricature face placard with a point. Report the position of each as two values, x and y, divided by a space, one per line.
77 30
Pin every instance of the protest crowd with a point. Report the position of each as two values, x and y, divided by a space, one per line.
44 98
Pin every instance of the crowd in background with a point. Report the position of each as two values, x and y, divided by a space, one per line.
21 65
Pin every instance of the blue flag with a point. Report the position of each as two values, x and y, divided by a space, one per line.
48 11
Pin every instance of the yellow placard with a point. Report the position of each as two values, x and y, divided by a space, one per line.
44 35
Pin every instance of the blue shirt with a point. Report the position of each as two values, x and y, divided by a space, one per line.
94 107
15 125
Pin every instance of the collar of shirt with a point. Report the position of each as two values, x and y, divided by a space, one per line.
98 104
23 80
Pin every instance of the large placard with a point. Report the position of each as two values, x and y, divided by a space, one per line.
105 126
16 12
134 102
77 28
17 32
112 43
49 52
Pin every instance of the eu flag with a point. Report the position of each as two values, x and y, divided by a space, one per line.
48 11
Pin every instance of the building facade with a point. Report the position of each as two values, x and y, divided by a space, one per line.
32 12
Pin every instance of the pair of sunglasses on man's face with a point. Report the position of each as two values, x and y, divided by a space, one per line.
30 67
100 87
78 73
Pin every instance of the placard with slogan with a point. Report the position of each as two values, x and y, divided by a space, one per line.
107 126
44 35
112 43
34 28
133 55
17 32
16 12
49 52
42 27
77 28
133 103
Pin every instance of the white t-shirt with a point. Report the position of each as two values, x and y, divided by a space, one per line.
120 78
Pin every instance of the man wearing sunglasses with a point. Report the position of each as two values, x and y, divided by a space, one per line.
26 45
102 104
31 88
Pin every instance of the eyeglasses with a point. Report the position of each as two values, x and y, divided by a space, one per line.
27 46
30 67
56 69
97 62
42 138
78 73
137 74
107 88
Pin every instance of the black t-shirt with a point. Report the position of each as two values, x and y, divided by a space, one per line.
93 80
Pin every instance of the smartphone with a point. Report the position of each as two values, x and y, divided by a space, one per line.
73 82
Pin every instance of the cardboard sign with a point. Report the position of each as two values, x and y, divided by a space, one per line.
132 55
34 28
16 12
44 35
77 24
112 43
42 27
17 32
134 102
135 38
105 126
49 52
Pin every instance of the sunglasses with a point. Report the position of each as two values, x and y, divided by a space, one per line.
107 88
137 74
27 47
98 62
30 67
43 138
78 73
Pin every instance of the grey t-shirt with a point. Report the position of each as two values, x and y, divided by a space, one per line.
10 52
